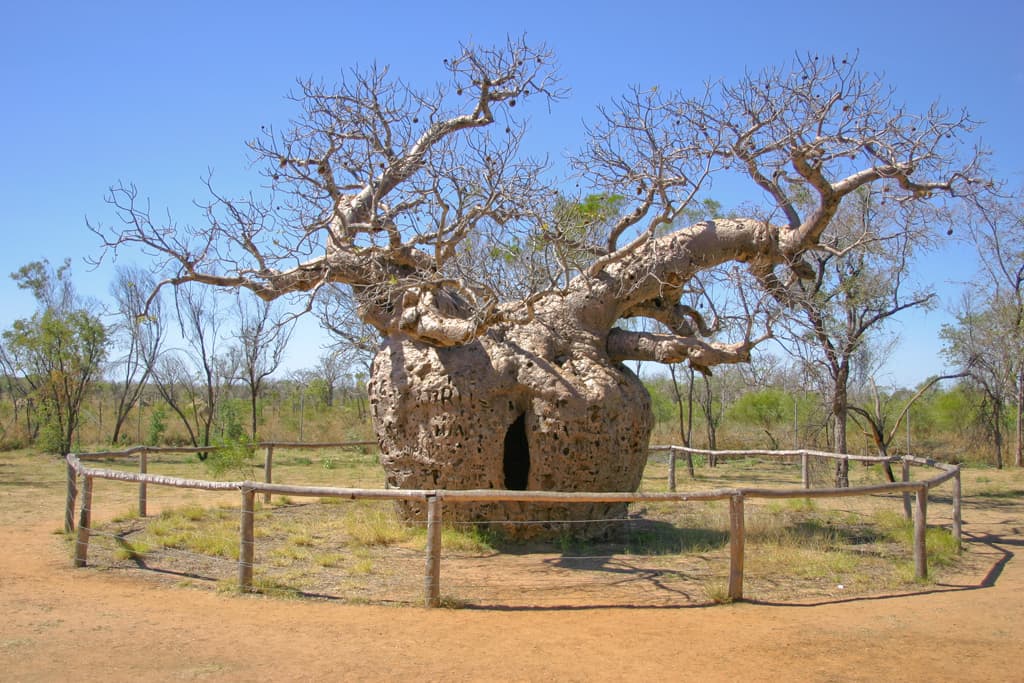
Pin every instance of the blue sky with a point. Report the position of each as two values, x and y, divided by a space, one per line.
158 93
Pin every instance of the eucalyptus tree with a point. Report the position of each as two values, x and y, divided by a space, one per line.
995 224
490 374
859 280
875 415
57 353
978 344
194 377
139 334
262 339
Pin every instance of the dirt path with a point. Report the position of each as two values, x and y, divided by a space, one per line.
60 623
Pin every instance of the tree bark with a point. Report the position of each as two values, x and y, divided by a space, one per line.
997 431
534 407
548 403
839 412
1018 459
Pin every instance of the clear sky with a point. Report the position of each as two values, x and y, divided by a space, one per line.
160 93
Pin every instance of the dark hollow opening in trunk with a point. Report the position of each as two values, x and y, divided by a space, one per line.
517 456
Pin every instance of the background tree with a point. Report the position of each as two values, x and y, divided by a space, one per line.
331 367
58 353
977 343
766 409
262 340
713 410
996 227
385 188
875 417
22 400
860 281
193 379
139 335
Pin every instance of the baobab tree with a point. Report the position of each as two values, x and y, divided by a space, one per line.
502 365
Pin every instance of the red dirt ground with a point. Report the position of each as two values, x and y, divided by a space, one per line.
61 623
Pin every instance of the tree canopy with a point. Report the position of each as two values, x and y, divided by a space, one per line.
392 190
57 353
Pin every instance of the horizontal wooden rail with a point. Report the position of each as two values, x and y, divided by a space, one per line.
143 452
325 444
777 454
335 492
501 495
136 450
268 455
159 479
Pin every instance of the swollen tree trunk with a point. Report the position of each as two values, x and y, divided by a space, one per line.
547 403
516 409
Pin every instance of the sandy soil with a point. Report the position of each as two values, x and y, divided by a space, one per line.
60 623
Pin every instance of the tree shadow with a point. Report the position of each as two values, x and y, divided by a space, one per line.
630 571
994 542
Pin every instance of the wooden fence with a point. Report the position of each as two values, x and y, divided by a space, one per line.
436 499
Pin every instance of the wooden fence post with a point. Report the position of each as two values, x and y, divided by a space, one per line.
432 580
671 469
245 549
268 468
736 543
69 504
143 468
921 533
906 496
84 522
957 512
805 472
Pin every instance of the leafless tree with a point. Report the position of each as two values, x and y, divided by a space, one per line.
875 417
995 225
355 342
394 191
859 283
193 379
262 340
978 344
331 368
140 331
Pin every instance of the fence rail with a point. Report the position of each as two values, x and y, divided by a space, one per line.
436 499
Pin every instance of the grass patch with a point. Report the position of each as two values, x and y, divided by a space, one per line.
717 591
466 539
207 531
370 525
328 559
659 538
363 565
941 547
131 513
131 550
791 505
301 539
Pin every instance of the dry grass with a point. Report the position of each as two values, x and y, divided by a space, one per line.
358 551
